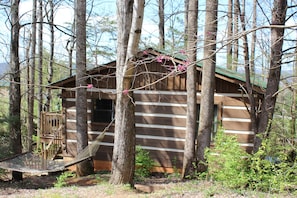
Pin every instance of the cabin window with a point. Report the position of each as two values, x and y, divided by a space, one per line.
103 111
215 120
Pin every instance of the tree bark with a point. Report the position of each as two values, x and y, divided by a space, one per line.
50 69
40 69
208 82
31 91
129 31
189 150
186 2
254 37
14 88
86 167
235 35
161 25
277 38
230 34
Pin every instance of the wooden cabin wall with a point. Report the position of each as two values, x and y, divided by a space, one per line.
160 112
160 124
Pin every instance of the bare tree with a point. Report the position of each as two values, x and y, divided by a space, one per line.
247 67
71 43
31 90
186 2
277 37
254 37
85 167
235 37
208 82
161 25
40 62
50 68
129 31
189 150
230 34
14 88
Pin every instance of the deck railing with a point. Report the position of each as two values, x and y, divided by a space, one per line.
52 133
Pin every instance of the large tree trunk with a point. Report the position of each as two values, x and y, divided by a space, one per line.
31 91
189 150
186 8
277 38
208 82
71 43
85 167
129 31
235 36
254 37
50 69
230 34
40 69
161 25
14 88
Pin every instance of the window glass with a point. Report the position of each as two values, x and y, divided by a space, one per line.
103 111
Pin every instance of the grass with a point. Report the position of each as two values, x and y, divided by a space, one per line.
162 187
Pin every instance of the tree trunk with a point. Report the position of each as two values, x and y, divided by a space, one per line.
161 25
86 167
208 82
189 150
40 69
247 68
235 33
31 91
71 43
129 31
51 55
186 2
277 38
14 88
230 34
254 37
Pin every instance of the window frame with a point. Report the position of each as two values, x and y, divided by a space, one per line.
104 109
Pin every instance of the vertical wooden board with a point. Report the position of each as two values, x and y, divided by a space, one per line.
170 83
176 82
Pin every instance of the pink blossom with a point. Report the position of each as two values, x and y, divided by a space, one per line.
125 92
170 67
182 51
181 68
145 52
159 59
90 86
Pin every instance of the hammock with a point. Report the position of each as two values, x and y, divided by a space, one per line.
34 163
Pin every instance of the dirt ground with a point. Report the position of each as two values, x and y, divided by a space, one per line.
97 186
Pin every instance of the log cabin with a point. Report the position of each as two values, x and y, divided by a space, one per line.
160 98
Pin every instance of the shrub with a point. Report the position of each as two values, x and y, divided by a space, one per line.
61 180
143 163
227 161
271 169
